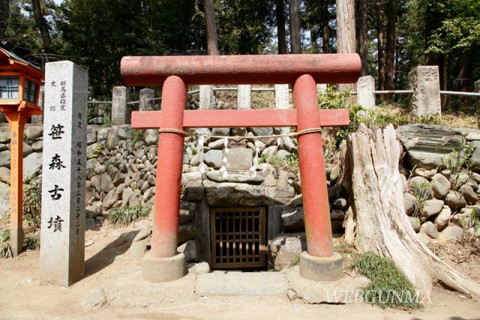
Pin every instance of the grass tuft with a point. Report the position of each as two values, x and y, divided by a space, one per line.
126 215
389 287
5 247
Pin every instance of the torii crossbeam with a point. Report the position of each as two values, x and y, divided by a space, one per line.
304 72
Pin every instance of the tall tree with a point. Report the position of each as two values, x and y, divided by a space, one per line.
346 38
362 20
42 26
212 37
391 9
380 47
325 21
281 33
295 38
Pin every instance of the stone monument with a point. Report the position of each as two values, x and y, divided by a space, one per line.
120 108
365 92
425 83
62 254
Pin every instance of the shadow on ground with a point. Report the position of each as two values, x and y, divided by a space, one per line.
107 255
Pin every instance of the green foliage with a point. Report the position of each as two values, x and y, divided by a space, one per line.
127 215
289 163
138 135
5 247
243 26
459 158
421 193
455 35
331 99
32 203
389 287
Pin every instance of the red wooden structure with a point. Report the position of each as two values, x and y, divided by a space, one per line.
303 71
19 95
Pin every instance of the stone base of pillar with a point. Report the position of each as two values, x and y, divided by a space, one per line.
321 268
163 269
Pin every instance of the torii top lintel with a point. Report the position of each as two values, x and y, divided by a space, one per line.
244 69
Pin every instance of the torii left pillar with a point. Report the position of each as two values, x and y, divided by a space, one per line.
17 119
163 263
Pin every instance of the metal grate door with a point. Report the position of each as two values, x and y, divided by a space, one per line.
238 237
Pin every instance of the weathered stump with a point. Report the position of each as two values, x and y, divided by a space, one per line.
378 222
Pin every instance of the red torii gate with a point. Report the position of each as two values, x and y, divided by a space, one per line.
304 72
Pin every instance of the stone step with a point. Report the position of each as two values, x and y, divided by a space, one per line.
235 283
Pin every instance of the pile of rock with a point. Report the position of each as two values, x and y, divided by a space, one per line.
442 204
441 198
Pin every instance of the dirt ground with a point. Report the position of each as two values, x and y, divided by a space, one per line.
110 266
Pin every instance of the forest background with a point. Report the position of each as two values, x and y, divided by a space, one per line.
391 36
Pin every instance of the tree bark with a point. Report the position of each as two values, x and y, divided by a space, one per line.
346 36
390 46
295 39
281 33
380 48
381 225
362 35
42 26
212 37
325 19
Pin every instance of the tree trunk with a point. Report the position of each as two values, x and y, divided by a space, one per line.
4 14
282 38
325 17
380 48
346 37
381 225
390 46
42 26
295 40
212 38
362 35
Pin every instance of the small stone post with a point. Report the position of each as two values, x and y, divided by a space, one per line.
120 108
146 96
62 253
282 96
207 97
365 92
425 83
244 96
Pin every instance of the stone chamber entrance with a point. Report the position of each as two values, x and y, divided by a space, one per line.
238 238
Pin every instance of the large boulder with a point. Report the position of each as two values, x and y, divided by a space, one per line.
440 186
286 249
429 146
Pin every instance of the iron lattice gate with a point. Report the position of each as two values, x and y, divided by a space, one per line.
238 237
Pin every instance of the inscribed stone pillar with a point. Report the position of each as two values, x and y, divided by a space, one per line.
244 97
120 109
425 83
282 96
62 253
146 96
207 97
365 92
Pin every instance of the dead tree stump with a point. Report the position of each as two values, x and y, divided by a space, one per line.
378 222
